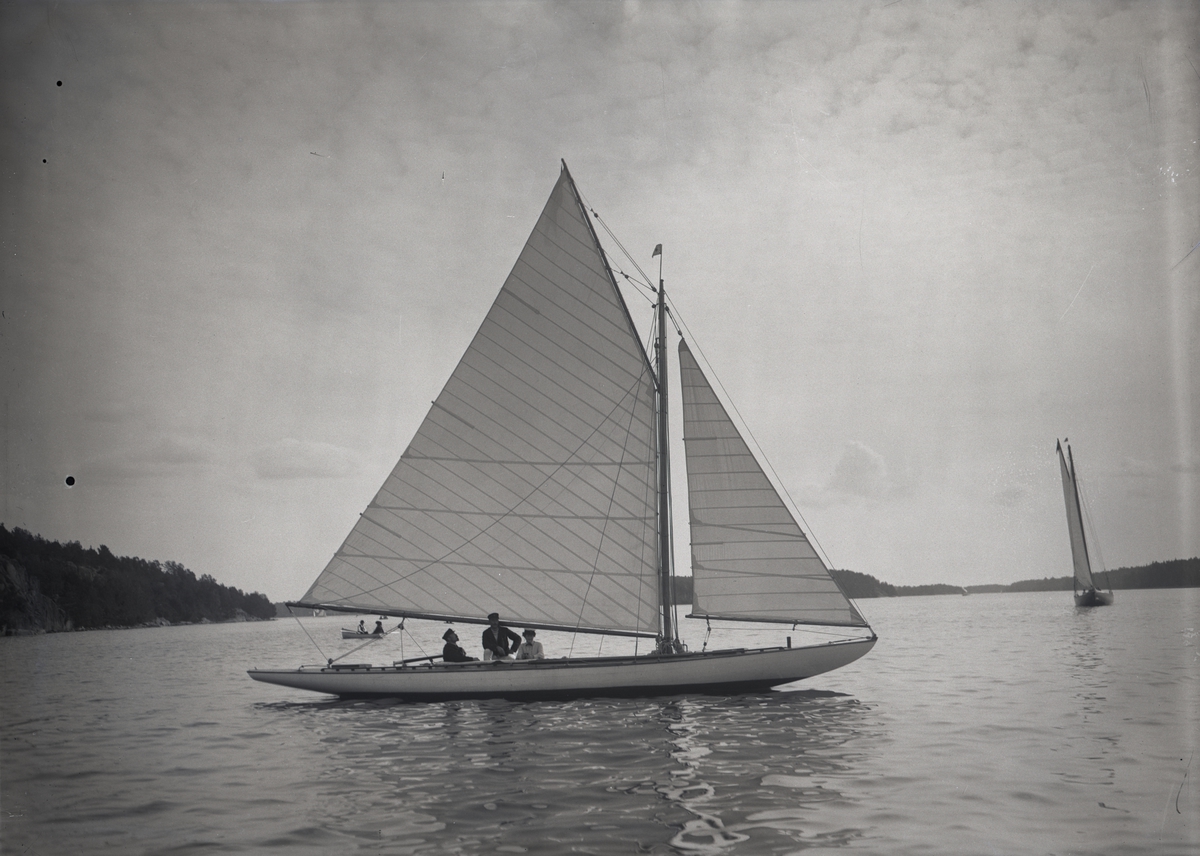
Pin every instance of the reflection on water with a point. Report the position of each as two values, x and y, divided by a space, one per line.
766 775
757 768
672 775
705 833
1089 681
695 776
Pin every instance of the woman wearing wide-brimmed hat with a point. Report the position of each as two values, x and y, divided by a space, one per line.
529 649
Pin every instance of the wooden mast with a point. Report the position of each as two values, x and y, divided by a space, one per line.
664 470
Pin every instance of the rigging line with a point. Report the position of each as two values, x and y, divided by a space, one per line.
653 334
644 283
603 534
1086 504
534 491
674 323
306 633
416 642
1189 252
617 241
808 533
1081 285
643 290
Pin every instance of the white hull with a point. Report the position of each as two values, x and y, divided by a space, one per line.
354 634
716 672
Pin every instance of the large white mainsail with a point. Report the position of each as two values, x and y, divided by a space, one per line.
1079 551
750 559
529 489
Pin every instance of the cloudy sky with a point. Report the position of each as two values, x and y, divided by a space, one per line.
244 245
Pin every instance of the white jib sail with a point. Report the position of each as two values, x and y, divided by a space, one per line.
529 489
750 559
1079 553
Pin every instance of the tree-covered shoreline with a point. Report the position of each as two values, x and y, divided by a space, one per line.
48 586
1177 573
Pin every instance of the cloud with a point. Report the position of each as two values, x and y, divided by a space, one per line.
1010 497
1189 466
168 449
1134 468
296 459
860 472
164 454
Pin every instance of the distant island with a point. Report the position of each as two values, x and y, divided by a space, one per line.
1177 573
47 586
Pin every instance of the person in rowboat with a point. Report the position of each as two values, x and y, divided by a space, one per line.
362 626
378 631
529 649
452 652
499 640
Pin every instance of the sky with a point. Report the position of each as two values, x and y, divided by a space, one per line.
244 245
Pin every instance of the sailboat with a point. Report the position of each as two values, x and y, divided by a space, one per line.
1086 593
538 487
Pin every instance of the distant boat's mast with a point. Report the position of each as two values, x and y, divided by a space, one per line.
1075 488
664 508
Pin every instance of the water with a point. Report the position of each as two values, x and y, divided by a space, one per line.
1002 724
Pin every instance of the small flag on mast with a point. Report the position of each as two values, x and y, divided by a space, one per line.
657 251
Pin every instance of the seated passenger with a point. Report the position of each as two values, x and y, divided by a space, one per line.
452 652
499 640
530 650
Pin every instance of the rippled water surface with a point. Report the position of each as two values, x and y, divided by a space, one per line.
983 724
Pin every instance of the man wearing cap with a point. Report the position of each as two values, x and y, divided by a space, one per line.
499 639
452 652
529 649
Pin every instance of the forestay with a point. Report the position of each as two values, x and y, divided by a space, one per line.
529 489
750 559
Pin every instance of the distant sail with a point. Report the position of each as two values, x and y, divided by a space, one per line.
1079 552
529 489
750 559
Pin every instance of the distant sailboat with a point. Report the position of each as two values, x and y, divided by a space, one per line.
1086 593
537 487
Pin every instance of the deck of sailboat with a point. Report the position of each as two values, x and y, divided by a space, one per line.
723 672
